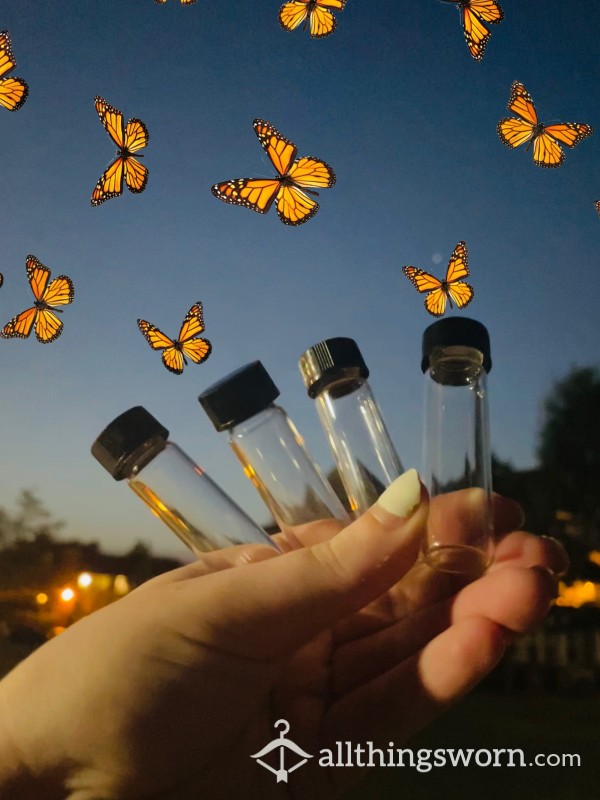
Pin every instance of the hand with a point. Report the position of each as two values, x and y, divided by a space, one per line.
169 691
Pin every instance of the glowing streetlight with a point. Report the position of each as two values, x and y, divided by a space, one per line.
41 598
67 595
84 580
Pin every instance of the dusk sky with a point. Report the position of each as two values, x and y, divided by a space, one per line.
407 119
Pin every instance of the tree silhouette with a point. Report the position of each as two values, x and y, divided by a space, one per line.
569 447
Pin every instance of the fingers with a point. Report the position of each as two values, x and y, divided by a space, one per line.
279 603
527 550
397 704
422 586
515 599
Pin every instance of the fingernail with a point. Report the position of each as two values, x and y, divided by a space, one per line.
558 557
403 496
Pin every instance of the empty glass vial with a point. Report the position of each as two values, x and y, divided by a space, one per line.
271 450
457 468
335 375
135 447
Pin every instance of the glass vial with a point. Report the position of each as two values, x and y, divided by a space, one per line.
270 449
335 375
457 467
135 447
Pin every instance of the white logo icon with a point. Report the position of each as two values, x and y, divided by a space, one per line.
282 744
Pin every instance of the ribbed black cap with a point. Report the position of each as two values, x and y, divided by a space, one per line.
239 396
328 361
120 441
456 331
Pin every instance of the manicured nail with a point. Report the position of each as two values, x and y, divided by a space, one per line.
403 496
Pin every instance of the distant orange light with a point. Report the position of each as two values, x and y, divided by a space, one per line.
41 598
84 580
594 557
67 595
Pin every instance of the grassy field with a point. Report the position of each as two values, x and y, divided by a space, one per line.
535 722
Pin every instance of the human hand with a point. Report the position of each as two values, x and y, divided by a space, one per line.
168 692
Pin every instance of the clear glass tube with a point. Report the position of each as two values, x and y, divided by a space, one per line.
136 447
274 458
184 497
363 451
457 461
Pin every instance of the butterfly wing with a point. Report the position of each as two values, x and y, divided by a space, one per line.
110 183
569 133
421 280
171 357
487 10
435 302
322 22
293 14
458 266
280 150
312 173
13 91
136 135
112 119
193 324
461 293
547 152
513 132
256 194
294 207
520 102
476 34
136 175
196 349
48 326
20 326
597 204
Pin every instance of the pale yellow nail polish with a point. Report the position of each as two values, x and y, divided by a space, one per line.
402 496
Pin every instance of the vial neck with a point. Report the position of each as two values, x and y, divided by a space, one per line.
455 365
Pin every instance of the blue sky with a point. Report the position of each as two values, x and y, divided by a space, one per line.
407 119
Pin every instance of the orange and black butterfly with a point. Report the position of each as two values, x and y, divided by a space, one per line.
547 151
42 315
316 12
188 344
452 288
129 139
296 179
13 91
183 2
473 14
597 204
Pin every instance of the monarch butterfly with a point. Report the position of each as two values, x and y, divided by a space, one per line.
129 139
322 21
545 138
288 189
13 91
42 315
473 14
183 2
597 204
174 352
451 288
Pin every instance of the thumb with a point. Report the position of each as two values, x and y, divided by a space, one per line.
272 606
